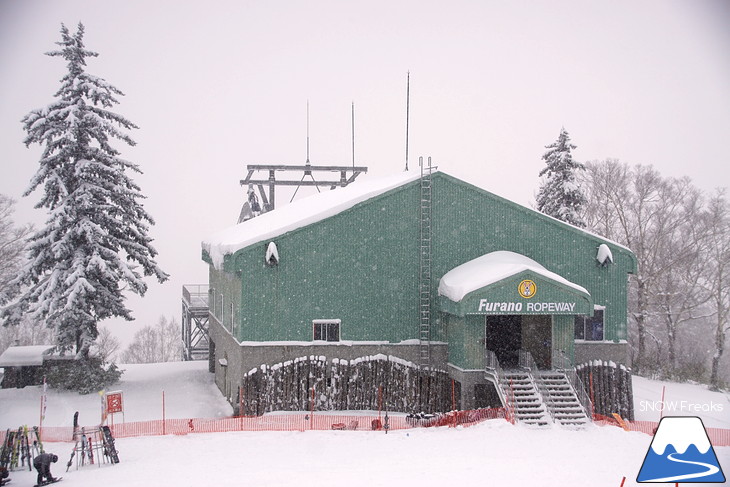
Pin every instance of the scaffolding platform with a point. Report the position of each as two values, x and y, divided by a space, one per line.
196 341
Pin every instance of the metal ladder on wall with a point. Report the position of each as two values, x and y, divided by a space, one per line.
424 280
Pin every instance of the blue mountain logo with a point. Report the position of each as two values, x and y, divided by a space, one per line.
681 452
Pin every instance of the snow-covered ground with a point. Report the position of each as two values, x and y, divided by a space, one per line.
680 400
492 453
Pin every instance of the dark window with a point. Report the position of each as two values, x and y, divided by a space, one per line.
590 327
580 327
326 330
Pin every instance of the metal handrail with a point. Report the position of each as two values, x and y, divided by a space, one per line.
195 295
528 363
562 363
492 367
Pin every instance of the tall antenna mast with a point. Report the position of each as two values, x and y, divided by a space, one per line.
408 110
353 134
307 131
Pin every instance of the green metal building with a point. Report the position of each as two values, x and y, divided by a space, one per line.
424 267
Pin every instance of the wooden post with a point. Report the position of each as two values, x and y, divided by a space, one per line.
593 395
311 411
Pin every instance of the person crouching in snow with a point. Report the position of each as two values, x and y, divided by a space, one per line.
42 463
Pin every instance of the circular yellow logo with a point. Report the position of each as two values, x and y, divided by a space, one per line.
527 288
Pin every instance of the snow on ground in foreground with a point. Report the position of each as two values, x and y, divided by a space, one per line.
492 453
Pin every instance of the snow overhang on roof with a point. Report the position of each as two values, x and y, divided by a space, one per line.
300 214
505 282
25 356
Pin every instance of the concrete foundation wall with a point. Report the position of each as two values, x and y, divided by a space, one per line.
240 359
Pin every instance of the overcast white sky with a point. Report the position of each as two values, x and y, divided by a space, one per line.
217 85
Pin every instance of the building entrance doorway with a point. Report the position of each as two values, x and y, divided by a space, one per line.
505 335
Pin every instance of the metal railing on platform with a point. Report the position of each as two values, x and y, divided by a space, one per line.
195 295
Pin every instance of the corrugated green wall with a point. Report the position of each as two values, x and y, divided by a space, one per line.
470 222
361 266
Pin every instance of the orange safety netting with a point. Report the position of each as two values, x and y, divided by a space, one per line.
718 436
303 421
296 421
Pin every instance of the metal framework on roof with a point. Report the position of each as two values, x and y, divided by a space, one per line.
267 186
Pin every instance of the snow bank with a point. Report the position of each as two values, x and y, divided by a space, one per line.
189 393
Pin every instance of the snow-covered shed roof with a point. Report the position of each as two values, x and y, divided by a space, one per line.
306 211
25 355
490 268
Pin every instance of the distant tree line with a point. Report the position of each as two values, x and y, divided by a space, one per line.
153 344
680 297
679 304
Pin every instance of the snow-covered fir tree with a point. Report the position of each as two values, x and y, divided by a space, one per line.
95 242
560 194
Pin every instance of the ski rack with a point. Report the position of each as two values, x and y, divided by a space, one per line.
17 450
92 446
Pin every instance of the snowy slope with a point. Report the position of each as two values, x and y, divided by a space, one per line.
188 386
493 453
680 399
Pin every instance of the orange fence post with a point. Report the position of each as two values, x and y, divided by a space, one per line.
661 409
380 400
240 407
163 412
453 395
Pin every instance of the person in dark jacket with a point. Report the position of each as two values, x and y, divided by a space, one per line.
42 463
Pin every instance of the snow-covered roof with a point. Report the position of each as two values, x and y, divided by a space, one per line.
25 355
319 207
491 268
306 211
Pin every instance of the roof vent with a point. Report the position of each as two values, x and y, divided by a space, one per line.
272 255
604 255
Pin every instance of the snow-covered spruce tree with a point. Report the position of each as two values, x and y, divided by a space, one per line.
95 243
560 194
